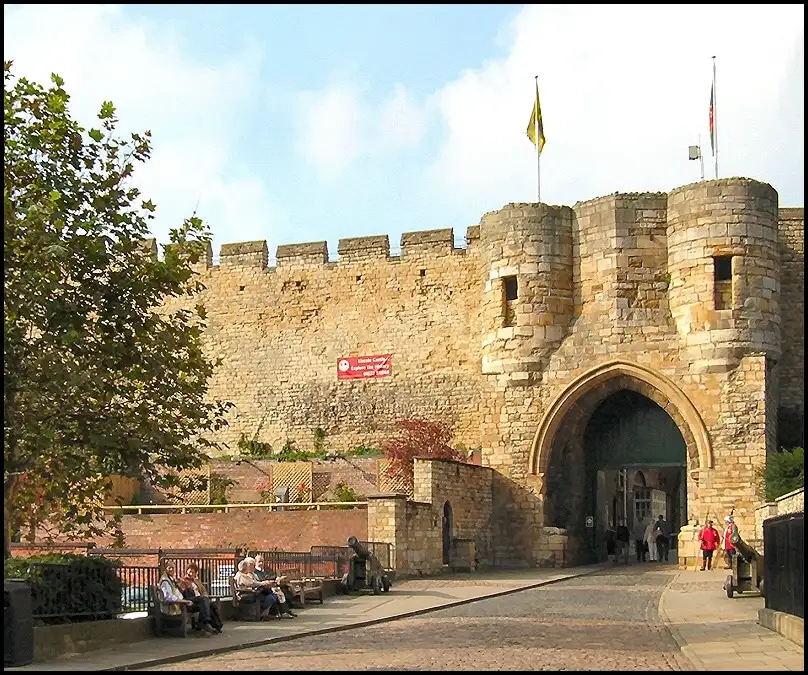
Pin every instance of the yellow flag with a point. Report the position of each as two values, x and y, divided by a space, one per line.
536 124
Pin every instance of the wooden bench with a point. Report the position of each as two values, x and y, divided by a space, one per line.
305 590
246 604
163 624
301 589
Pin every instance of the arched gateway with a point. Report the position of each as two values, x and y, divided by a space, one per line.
611 423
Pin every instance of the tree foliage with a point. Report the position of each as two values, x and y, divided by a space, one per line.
784 472
99 377
417 438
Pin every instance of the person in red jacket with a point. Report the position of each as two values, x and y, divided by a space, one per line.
729 547
710 540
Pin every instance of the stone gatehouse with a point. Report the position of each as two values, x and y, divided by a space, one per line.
628 355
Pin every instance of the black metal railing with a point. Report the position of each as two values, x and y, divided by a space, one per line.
783 563
381 549
69 592
135 589
303 564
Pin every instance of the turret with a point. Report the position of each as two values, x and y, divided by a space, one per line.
724 270
526 253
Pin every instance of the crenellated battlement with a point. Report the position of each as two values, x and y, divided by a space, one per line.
423 244
592 219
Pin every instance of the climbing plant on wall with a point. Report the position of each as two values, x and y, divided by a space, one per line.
417 438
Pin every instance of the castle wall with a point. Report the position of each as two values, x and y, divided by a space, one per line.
790 369
280 331
644 294
692 298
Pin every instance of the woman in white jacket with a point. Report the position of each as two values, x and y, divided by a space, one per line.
650 541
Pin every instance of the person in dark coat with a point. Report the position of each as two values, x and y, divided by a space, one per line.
623 537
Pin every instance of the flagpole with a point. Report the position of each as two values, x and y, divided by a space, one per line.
701 158
538 145
715 119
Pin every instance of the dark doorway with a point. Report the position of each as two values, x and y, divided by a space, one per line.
447 533
629 439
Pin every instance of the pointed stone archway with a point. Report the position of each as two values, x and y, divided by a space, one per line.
601 380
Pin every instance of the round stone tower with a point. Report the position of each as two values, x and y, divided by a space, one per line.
526 254
724 270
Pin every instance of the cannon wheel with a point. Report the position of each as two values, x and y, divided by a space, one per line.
728 587
385 584
376 584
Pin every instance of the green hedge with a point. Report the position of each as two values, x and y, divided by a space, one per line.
66 587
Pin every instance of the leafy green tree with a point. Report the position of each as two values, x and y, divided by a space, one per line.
101 377
784 473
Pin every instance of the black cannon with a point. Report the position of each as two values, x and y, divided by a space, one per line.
364 571
747 568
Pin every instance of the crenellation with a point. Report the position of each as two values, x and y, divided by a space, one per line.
302 255
364 249
427 243
244 254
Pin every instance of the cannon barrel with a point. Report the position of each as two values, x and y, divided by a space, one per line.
361 552
742 547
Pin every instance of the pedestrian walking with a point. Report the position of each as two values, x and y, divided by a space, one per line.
639 540
663 537
650 541
710 540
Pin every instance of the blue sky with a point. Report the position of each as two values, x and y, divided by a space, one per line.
296 123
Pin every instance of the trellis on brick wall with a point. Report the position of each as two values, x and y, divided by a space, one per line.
389 480
194 487
297 476
320 483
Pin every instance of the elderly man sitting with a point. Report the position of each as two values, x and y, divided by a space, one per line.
245 579
280 585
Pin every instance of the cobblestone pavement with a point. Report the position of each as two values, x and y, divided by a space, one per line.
604 621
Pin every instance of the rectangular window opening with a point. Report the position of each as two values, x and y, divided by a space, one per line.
511 286
510 292
722 266
722 281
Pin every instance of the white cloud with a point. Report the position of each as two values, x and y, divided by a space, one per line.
624 90
190 108
401 122
329 124
337 126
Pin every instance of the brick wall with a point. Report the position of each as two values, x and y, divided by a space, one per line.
255 528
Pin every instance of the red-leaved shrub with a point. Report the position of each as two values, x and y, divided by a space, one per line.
418 438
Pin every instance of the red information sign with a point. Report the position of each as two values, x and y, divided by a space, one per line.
362 367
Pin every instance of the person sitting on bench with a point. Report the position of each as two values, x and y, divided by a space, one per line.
194 590
246 580
281 587
170 592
